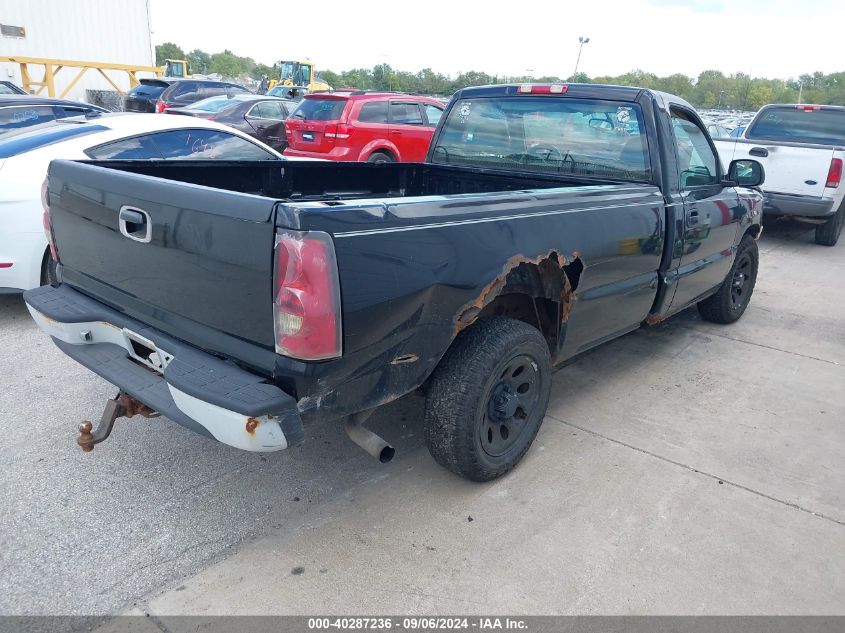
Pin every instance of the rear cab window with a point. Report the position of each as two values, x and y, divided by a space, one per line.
800 124
583 137
320 109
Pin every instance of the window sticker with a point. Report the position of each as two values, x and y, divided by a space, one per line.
623 117
466 109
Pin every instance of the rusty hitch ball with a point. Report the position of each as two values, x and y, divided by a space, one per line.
123 405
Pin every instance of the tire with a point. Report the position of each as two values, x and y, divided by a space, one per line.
487 398
381 157
732 298
48 270
827 234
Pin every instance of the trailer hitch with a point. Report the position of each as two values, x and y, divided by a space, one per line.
121 406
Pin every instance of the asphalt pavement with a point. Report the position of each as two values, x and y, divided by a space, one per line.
686 468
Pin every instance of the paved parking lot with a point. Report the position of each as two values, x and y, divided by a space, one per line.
686 468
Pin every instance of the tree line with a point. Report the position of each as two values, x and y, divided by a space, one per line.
710 89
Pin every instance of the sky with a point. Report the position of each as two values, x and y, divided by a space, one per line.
764 38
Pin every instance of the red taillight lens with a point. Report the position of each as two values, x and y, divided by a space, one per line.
341 131
45 220
834 174
306 305
161 106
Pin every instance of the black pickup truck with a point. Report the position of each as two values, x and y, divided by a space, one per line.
243 299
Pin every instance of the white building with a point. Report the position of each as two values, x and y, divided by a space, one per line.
106 31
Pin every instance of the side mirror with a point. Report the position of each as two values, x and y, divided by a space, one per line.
746 173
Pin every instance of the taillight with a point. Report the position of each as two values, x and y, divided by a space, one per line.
306 305
45 221
834 174
340 131
161 106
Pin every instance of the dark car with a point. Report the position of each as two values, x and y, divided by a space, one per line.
143 97
8 88
20 111
187 91
257 115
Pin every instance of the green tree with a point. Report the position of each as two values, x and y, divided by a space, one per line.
710 89
168 50
259 70
227 64
199 61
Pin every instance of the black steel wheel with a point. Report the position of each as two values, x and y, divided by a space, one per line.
742 280
729 302
487 398
510 402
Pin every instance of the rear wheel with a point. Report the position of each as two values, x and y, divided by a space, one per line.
827 234
48 270
381 157
731 300
487 398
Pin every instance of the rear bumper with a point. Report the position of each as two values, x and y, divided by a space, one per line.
805 206
337 153
189 386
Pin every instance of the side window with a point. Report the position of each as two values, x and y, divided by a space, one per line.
405 113
180 89
373 112
207 144
433 114
267 110
15 117
138 148
697 163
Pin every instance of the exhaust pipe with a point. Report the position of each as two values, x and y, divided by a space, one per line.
366 439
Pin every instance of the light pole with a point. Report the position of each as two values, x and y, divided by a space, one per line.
582 41
719 105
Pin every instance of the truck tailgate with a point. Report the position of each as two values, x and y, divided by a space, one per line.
206 259
789 167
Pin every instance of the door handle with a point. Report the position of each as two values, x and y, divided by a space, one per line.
130 216
135 224
695 218
762 152
692 218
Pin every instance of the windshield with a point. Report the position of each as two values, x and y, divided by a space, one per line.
328 109
800 125
567 136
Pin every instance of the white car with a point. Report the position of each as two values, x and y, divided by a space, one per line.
24 157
